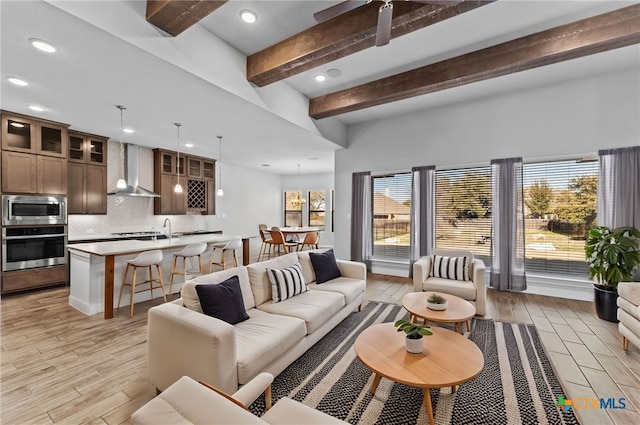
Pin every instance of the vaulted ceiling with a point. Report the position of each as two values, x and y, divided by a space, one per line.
439 53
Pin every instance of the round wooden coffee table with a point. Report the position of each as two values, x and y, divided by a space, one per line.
447 359
457 311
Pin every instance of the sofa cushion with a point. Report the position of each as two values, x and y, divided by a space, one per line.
260 283
223 301
263 339
307 267
189 402
456 268
286 283
462 289
314 307
349 287
190 297
324 266
630 291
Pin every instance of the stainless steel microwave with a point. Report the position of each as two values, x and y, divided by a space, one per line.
33 210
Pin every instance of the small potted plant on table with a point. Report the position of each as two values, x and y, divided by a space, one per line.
612 255
436 302
414 332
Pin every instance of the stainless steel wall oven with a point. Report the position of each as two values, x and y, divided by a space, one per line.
33 247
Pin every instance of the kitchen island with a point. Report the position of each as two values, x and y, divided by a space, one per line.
94 266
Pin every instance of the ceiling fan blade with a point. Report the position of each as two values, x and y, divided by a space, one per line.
439 2
338 9
383 34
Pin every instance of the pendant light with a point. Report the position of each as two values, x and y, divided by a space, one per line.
121 184
298 201
220 192
178 188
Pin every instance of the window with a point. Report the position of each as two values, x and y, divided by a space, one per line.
463 211
316 208
333 207
560 207
293 209
391 216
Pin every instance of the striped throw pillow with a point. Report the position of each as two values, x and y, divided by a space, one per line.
456 268
285 283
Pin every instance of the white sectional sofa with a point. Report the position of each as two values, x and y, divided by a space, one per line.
184 341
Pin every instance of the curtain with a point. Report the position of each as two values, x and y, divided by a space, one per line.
619 187
422 213
361 221
507 215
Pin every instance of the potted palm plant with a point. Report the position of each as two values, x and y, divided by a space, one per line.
414 333
612 255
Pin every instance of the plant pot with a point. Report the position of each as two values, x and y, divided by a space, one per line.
414 345
434 306
606 304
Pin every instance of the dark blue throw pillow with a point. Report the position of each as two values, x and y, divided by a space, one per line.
325 266
223 301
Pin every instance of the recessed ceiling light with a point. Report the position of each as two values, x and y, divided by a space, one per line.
314 158
17 81
333 73
188 145
265 165
42 45
249 16
37 108
128 130
320 78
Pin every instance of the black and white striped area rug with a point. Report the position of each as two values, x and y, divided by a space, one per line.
516 386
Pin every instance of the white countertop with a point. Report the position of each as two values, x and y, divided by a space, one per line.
133 246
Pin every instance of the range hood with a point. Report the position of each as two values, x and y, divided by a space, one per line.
131 168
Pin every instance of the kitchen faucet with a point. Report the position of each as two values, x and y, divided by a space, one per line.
166 220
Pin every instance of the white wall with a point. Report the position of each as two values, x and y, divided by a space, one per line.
250 197
574 118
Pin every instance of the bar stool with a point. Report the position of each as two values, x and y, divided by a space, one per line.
232 246
144 259
189 251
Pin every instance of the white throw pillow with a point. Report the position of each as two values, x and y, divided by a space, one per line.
456 268
286 283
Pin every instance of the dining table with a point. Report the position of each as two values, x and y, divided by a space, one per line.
296 233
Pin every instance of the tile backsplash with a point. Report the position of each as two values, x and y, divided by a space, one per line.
130 214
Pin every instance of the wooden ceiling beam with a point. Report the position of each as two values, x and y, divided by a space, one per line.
597 34
346 34
175 16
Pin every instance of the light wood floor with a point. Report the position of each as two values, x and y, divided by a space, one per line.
60 366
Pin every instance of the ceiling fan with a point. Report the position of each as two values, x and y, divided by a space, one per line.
385 14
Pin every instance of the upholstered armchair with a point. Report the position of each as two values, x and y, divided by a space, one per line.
464 278
629 313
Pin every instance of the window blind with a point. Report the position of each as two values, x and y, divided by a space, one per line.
463 211
560 207
391 216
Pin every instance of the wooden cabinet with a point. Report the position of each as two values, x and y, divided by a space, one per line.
169 201
36 174
30 135
87 148
197 183
34 155
87 174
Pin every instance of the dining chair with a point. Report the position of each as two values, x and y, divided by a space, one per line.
267 243
232 246
278 240
310 240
